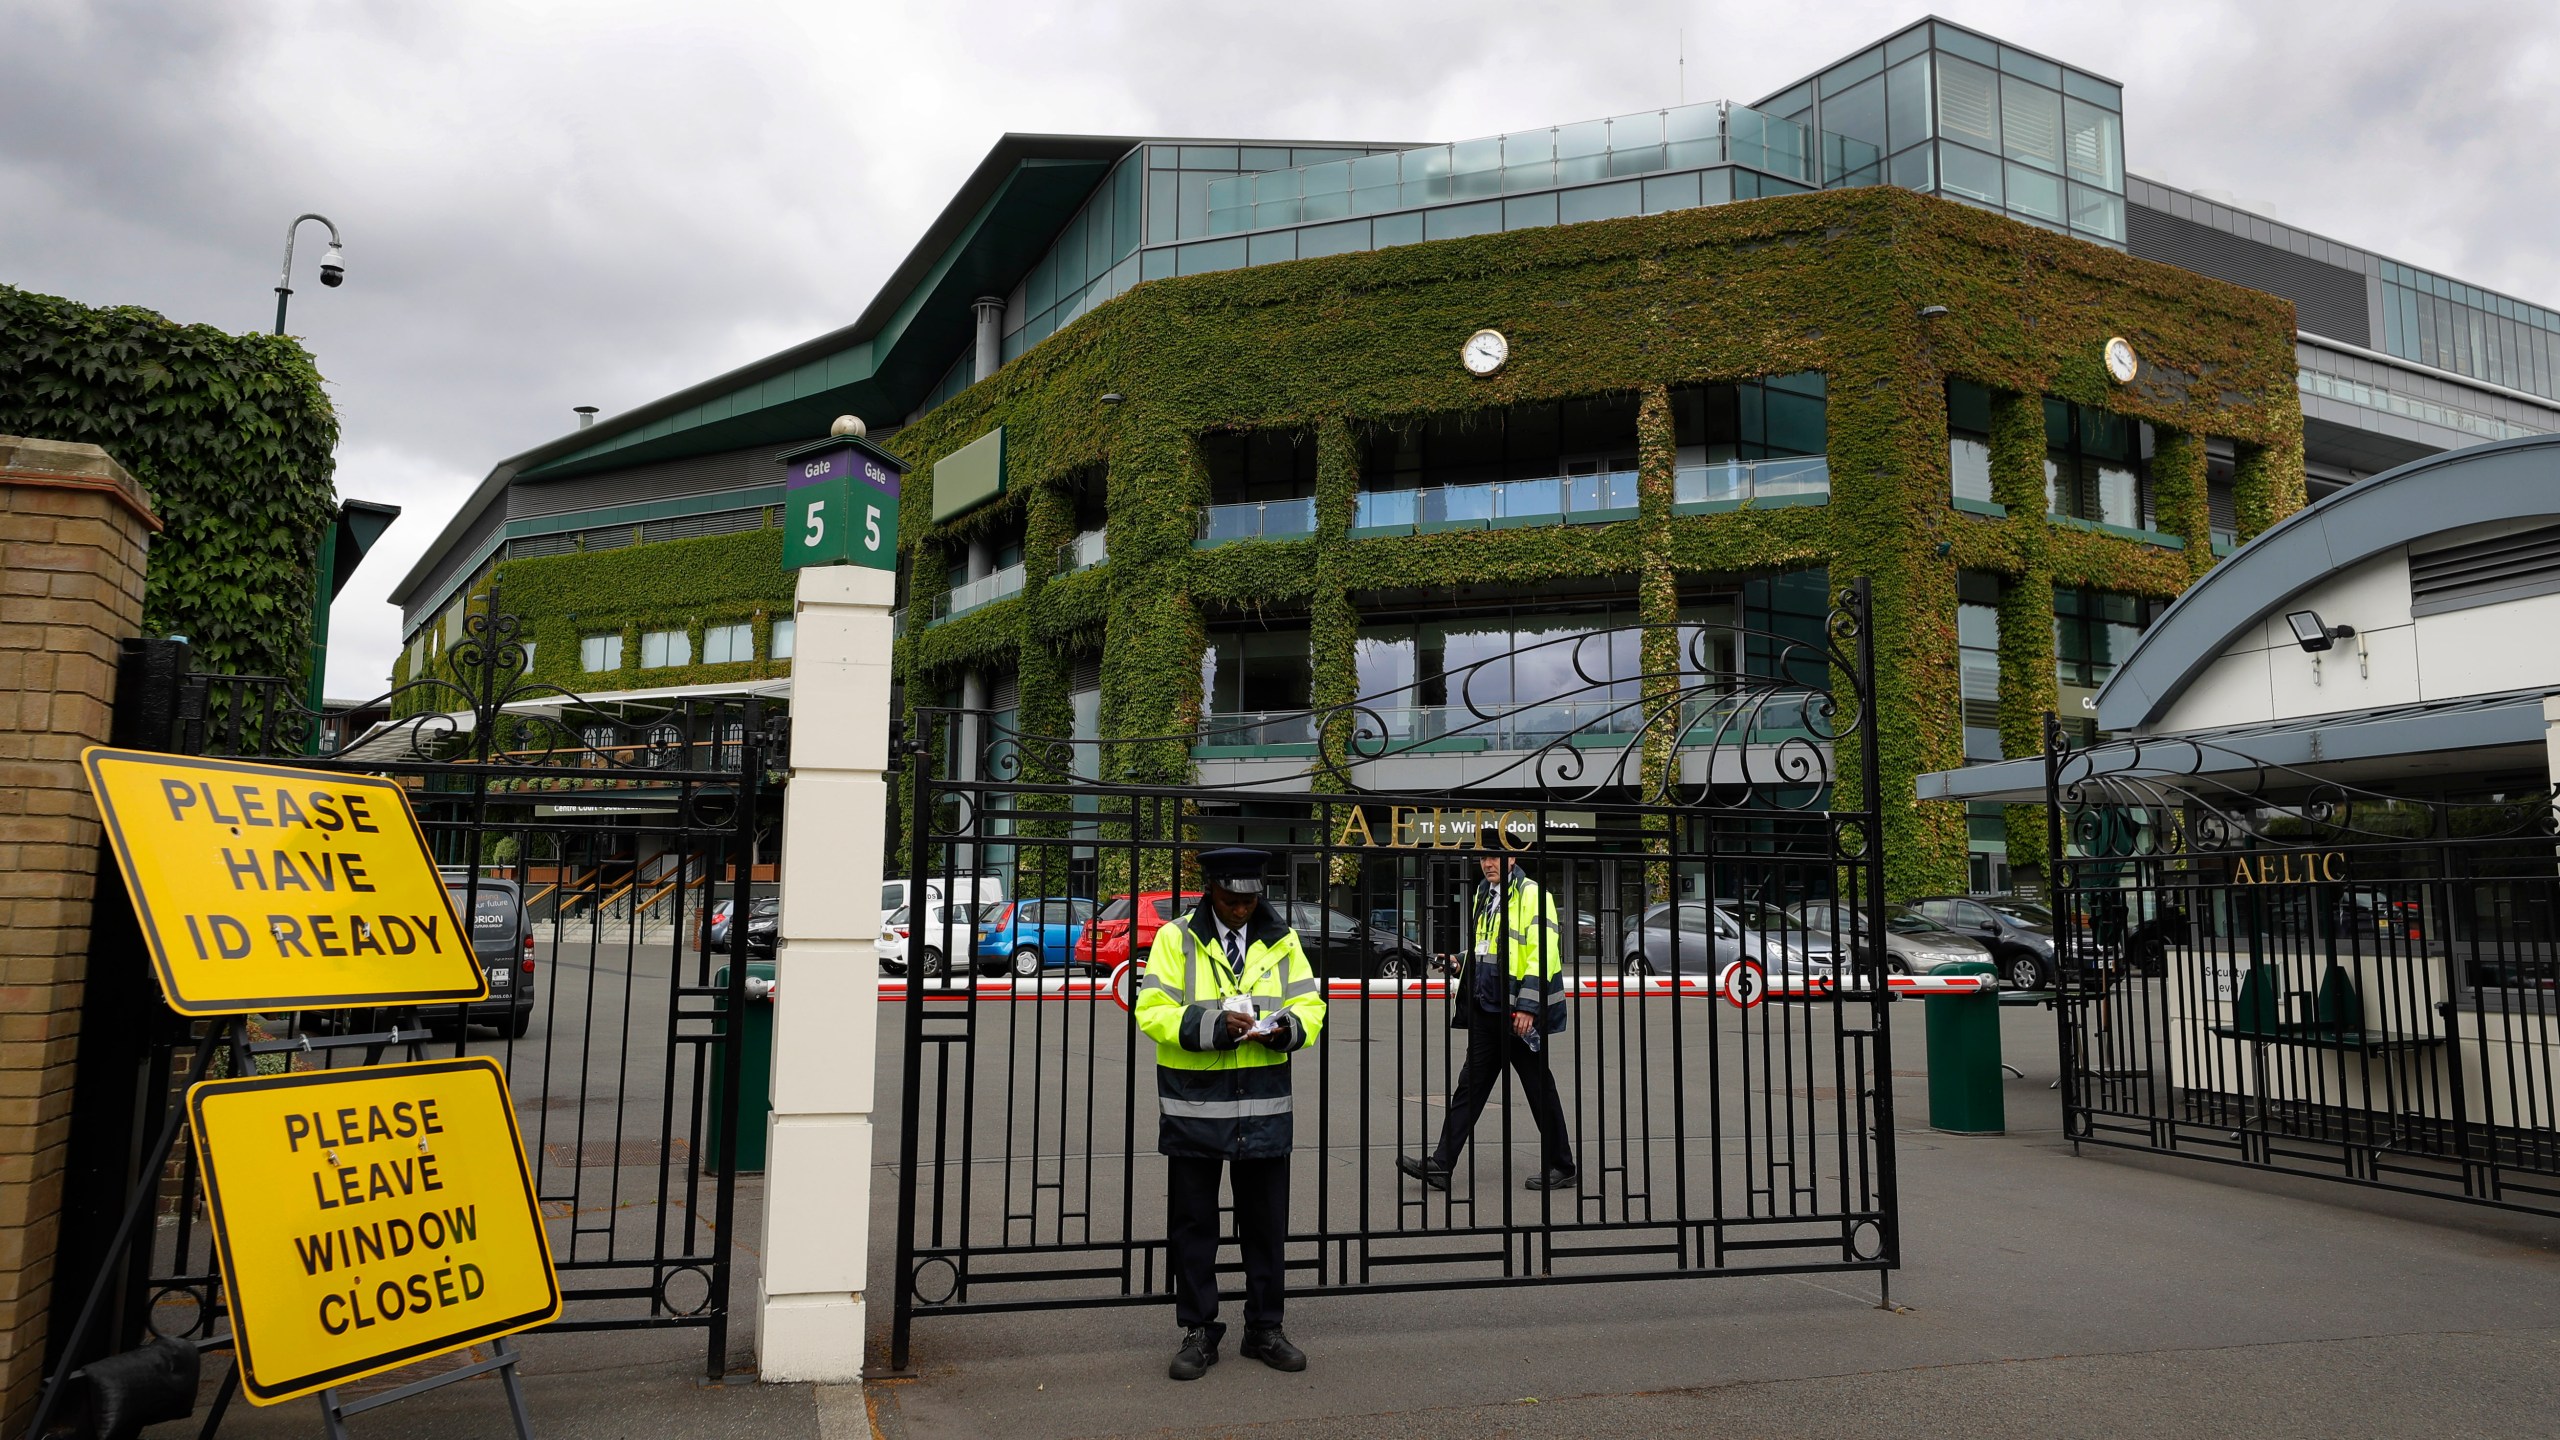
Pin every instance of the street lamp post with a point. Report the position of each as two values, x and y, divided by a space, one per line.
333 266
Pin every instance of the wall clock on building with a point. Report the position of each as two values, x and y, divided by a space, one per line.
1485 351
2121 362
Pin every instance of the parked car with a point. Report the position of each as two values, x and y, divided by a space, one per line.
503 943
2018 934
1031 936
1692 937
1110 935
973 890
891 947
1340 947
933 937
1914 944
761 908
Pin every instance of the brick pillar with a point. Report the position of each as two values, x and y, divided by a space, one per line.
74 530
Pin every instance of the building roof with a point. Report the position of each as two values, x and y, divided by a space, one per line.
2503 480
878 366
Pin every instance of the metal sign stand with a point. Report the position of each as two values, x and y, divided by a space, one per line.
334 1412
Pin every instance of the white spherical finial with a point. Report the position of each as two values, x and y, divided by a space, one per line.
848 425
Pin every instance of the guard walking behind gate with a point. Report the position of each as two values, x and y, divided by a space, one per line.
1228 994
1513 1000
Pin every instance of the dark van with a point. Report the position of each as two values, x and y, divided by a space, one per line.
504 945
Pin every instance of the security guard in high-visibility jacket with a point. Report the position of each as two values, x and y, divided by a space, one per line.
1228 995
1514 999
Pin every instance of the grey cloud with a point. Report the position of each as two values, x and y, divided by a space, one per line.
546 207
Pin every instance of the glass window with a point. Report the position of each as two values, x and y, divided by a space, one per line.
1913 170
1968 172
1845 74
2031 123
1599 202
2035 192
784 633
2092 89
1968 103
1978 659
2099 213
599 653
2093 144
528 655
1969 440
728 644
1456 220
1859 112
1906 104
1670 192
665 649
1967 44
1529 212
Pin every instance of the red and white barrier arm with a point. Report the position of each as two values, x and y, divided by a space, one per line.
993 988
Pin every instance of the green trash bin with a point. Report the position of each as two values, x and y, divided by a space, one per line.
1964 1056
755 1068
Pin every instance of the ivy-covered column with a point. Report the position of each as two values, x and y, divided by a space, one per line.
2266 485
1333 623
2028 688
1153 635
1889 508
1658 606
2178 495
1048 526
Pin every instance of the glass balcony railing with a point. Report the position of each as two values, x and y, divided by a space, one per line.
1259 727
977 594
1083 552
1257 520
1736 481
1553 500
1687 137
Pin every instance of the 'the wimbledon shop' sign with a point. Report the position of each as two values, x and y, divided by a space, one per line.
369 1218
264 887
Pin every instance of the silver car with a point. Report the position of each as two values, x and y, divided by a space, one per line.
1692 937
1914 944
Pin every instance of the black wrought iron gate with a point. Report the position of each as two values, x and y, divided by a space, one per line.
1717 873
607 855
2265 967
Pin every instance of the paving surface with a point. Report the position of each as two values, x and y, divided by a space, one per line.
2042 1294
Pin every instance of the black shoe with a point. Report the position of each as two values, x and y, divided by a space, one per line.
1429 1172
1199 1351
1272 1348
1553 1180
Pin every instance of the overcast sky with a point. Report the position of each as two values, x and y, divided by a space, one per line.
550 205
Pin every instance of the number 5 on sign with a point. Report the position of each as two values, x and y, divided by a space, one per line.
826 485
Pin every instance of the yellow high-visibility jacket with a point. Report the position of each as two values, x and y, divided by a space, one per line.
1221 1097
1518 928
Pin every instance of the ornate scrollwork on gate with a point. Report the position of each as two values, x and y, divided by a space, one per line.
2146 797
1670 712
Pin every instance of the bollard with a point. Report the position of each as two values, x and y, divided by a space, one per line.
755 1033
1964 1057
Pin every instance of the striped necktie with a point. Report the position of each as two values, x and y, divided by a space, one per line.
1235 953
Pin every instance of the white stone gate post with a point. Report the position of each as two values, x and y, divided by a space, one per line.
818 1172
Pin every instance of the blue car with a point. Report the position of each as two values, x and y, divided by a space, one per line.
1034 936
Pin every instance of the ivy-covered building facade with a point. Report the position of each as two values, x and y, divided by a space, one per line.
1194 449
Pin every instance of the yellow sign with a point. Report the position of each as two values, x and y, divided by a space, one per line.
369 1218
262 887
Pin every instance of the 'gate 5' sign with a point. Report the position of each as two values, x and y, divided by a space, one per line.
263 887
840 505
368 1218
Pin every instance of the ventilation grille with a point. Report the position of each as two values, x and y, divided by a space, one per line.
2327 299
2485 572
1085 673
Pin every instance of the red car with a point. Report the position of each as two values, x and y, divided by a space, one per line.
1106 936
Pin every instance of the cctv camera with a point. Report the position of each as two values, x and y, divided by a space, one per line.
333 268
